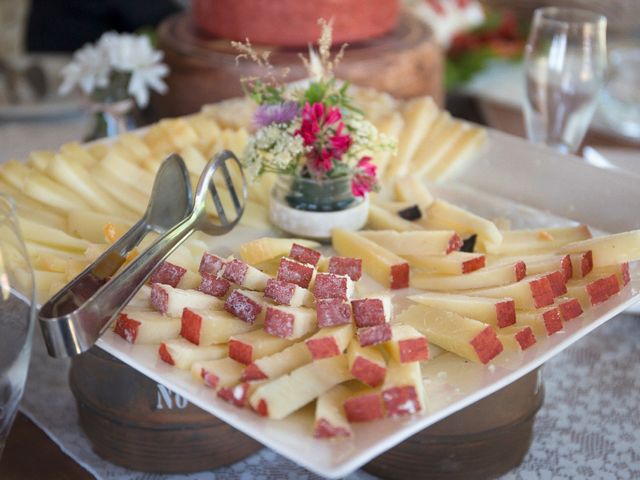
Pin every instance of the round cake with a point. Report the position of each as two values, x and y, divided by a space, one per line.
293 23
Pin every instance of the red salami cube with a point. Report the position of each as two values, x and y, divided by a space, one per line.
368 312
211 264
235 271
558 283
364 407
252 373
295 272
242 306
168 274
401 400
352 267
159 298
237 395
127 328
332 311
191 324
329 285
374 335
304 254
280 292
212 285
570 309
278 322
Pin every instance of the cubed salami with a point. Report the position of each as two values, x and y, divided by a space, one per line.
304 254
127 328
332 311
368 312
236 395
242 307
374 335
329 285
352 267
211 264
168 273
235 271
280 292
278 322
570 309
364 407
401 400
159 298
212 285
295 272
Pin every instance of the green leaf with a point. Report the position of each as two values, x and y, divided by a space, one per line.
315 93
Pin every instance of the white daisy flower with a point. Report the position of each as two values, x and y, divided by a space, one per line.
126 53
88 69
135 54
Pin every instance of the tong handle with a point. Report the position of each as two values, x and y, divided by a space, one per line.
74 319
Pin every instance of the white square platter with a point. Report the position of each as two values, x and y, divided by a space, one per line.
532 186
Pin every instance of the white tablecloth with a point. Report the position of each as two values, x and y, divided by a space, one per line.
589 426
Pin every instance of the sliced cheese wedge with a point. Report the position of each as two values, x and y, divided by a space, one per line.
425 242
283 396
485 278
277 364
455 263
366 364
182 354
471 339
248 347
330 418
498 312
535 241
403 389
382 219
384 266
609 249
442 215
146 326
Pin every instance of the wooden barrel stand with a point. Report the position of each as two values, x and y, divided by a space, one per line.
136 423
406 62
482 441
133 422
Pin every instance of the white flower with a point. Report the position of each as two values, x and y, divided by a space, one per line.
88 69
135 54
274 148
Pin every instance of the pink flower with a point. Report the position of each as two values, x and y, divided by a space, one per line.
319 131
339 142
321 162
365 164
364 180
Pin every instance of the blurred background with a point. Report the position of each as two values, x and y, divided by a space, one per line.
467 54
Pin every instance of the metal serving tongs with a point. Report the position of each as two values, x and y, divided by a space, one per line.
74 319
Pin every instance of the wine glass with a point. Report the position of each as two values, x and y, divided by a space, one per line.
17 316
565 67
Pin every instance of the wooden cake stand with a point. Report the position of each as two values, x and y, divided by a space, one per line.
405 63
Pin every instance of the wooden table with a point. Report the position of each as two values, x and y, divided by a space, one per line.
31 454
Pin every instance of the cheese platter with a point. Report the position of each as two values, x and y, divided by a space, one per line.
446 392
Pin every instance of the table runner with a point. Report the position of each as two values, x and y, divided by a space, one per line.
589 425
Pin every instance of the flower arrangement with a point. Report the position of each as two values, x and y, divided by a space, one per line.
115 60
311 132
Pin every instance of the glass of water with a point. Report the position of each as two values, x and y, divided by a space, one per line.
565 67
17 316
